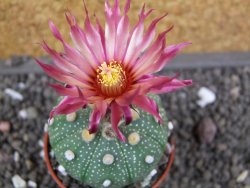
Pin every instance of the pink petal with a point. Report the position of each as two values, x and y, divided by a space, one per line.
150 56
96 115
147 39
148 105
127 114
80 41
169 53
60 76
64 91
94 120
62 63
67 106
172 86
93 38
115 119
127 6
122 37
136 36
127 98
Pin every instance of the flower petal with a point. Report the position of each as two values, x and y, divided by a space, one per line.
98 112
169 53
127 114
115 119
136 36
172 86
67 106
148 105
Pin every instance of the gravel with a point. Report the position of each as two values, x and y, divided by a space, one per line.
222 162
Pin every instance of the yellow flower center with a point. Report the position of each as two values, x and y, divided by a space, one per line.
111 78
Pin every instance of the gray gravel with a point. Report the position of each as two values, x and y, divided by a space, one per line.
217 164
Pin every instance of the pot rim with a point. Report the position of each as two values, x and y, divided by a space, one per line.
61 185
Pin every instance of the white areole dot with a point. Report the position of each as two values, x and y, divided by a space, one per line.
69 155
134 138
149 159
71 117
86 136
108 159
106 183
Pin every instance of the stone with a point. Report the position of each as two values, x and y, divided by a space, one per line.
13 94
16 156
206 97
32 184
18 182
61 169
206 130
243 175
28 113
4 126
170 126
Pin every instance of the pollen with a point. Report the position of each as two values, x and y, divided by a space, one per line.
111 78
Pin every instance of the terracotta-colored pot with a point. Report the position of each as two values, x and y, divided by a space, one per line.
60 184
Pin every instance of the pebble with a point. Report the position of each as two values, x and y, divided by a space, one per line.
206 97
62 170
14 94
18 182
243 175
28 113
170 125
4 126
21 85
16 156
206 130
32 184
146 181
235 92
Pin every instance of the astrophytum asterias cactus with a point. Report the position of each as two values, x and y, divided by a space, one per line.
101 159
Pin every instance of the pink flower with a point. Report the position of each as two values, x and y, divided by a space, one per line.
112 68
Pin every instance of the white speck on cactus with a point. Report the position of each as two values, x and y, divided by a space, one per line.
170 125
108 159
86 136
149 159
134 138
51 121
71 117
69 155
106 183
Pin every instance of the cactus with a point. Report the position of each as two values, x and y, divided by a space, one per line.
101 159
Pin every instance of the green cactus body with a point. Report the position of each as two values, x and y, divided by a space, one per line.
101 160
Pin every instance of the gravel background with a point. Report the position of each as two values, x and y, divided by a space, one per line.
217 164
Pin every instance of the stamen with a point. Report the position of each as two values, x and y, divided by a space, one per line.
111 78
